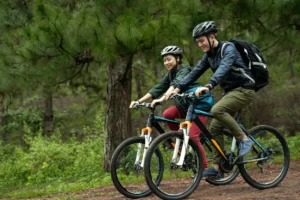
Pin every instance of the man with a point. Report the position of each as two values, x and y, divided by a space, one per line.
233 75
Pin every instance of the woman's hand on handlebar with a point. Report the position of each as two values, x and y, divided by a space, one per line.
155 101
168 94
133 103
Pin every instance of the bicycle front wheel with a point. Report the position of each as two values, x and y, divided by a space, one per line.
127 171
267 163
178 182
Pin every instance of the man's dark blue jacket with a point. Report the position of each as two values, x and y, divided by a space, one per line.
224 74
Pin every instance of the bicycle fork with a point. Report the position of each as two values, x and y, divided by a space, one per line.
185 128
146 132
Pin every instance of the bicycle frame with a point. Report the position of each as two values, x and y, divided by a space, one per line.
185 128
153 121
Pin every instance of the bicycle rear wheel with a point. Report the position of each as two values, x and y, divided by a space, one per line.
127 175
178 182
229 175
267 163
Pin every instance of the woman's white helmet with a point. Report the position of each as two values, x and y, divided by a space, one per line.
175 50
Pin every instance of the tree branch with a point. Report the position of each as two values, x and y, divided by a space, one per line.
270 46
71 77
262 25
61 39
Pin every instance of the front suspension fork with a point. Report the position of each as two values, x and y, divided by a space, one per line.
185 128
146 132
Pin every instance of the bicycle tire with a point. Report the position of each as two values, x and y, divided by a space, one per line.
156 187
114 171
282 149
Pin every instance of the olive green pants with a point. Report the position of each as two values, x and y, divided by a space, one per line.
224 111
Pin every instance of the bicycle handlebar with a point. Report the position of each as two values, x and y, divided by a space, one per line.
185 95
190 95
144 105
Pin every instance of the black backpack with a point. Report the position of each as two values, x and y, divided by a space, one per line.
255 61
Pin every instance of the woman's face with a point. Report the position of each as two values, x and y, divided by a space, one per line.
170 62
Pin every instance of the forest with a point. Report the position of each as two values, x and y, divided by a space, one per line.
69 70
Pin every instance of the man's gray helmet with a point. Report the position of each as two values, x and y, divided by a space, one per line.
204 29
175 50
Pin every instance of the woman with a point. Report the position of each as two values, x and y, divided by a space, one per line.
172 57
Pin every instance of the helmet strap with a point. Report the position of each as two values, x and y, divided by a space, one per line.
176 60
210 45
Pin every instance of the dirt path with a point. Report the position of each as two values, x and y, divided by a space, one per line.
289 188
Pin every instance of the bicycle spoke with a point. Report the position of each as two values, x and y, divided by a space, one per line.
267 163
177 181
127 171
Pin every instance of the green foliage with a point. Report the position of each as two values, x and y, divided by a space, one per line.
31 117
68 46
294 146
49 161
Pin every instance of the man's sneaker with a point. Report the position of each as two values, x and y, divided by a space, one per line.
212 172
245 147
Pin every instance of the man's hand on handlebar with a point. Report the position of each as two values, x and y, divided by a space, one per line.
201 90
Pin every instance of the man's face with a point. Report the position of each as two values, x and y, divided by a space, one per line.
203 43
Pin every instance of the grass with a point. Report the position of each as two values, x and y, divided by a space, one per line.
50 189
59 187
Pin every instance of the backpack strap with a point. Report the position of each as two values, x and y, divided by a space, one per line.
237 68
261 63
222 49
245 50
243 72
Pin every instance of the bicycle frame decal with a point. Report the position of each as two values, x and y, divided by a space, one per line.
214 142
252 161
166 120
200 112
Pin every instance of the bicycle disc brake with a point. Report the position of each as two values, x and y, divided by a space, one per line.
188 162
137 169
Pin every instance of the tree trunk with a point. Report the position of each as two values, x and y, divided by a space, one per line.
138 81
291 65
117 121
48 112
2 118
293 107
21 125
